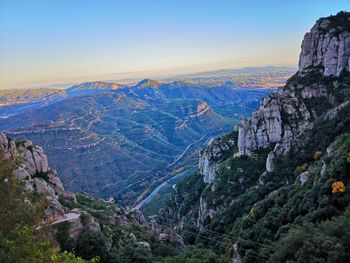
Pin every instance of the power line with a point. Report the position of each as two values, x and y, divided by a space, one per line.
255 254
223 243
237 238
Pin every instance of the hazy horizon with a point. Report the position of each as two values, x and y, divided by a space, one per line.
172 76
44 44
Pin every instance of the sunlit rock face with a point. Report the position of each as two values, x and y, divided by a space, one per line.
328 45
34 170
208 157
263 128
325 52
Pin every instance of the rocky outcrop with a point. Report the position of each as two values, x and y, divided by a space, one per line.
270 162
263 128
210 156
34 158
279 117
205 212
285 115
327 45
34 170
79 212
294 126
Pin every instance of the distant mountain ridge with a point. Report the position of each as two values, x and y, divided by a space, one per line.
255 77
135 132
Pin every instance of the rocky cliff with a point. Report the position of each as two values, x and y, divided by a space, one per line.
287 166
78 210
328 45
34 170
312 91
209 157
285 115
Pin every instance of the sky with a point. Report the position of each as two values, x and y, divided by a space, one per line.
48 42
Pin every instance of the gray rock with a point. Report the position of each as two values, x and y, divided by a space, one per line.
209 157
205 211
235 255
144 244
56 183
266 126
270 165
53 212
42 187
8 147
21 174
285 115
93 224
263 128
322 47
163 237
75 227
304 177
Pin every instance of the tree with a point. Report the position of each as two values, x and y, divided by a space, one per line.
134 253
17 207
198 255
27 247
91 244
20 212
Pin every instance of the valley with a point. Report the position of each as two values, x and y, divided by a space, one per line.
151 129
246 165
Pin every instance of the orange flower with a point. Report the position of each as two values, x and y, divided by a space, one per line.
338 187
317 155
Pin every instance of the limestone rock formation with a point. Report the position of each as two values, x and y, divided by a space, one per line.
270 162
209 156
78 211
35 172
283 116
327 44
205 212
286 118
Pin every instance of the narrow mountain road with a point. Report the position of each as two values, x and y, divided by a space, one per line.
159 187
184 152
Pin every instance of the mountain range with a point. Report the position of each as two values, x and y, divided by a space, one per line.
140 133
274 189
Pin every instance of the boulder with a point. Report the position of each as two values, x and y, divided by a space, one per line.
270 162
42 187
144 244
304 177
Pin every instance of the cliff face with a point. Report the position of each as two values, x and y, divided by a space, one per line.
286 167
80 211
287 123
327 44
209 157
35 172
285 115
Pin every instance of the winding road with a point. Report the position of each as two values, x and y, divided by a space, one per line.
184 152
159 187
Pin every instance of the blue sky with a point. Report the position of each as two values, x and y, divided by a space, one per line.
45 42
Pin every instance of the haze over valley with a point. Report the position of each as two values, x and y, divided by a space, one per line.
174 131
150 128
